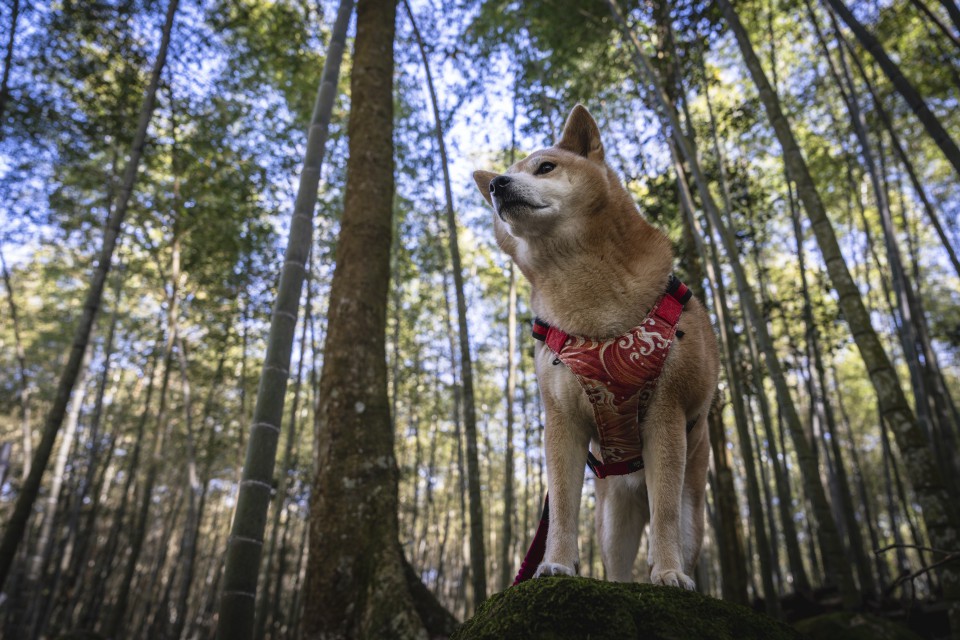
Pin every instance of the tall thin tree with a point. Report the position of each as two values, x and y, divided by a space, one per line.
478 570
8 62
245 545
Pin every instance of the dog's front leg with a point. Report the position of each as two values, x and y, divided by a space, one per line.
664 453
566 447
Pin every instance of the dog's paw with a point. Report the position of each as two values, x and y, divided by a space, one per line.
672 578
553 569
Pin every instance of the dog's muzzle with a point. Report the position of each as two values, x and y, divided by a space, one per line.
506 195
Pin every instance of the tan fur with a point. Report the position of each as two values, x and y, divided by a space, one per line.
596 267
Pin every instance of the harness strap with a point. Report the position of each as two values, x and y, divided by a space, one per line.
624 467
621 468
537 548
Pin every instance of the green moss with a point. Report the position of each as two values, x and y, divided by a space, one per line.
581 609
853 626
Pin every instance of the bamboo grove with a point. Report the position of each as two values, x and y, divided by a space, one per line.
254 323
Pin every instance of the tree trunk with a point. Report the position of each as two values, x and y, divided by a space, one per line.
734 571
88 605
284 482
81 540
801 582
191 528
953 10
903 86
912 320
918 187
937 22
728 340
17 524
939 511
355 576
236 620
114 627
477 554
37 586
863 493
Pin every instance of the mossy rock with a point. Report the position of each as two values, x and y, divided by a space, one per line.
846 625
581 609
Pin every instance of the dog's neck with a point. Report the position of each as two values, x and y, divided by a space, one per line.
603 284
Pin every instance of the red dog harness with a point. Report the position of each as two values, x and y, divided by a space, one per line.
619 376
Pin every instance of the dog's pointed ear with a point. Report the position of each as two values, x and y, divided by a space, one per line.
581 135
483 178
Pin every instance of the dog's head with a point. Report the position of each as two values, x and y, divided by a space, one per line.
552 193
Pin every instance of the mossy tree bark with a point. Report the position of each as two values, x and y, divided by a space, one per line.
355 574
939 510
246 536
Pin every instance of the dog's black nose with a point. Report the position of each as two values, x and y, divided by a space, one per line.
500 182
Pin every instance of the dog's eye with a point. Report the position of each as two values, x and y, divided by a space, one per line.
545 167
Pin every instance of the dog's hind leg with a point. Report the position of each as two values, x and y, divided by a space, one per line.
565 447
622 513
694 492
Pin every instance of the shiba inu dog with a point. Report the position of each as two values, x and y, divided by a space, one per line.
597 269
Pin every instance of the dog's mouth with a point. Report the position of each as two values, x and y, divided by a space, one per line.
512 205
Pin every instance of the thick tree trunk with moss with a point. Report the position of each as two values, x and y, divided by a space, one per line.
939 510
356 586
